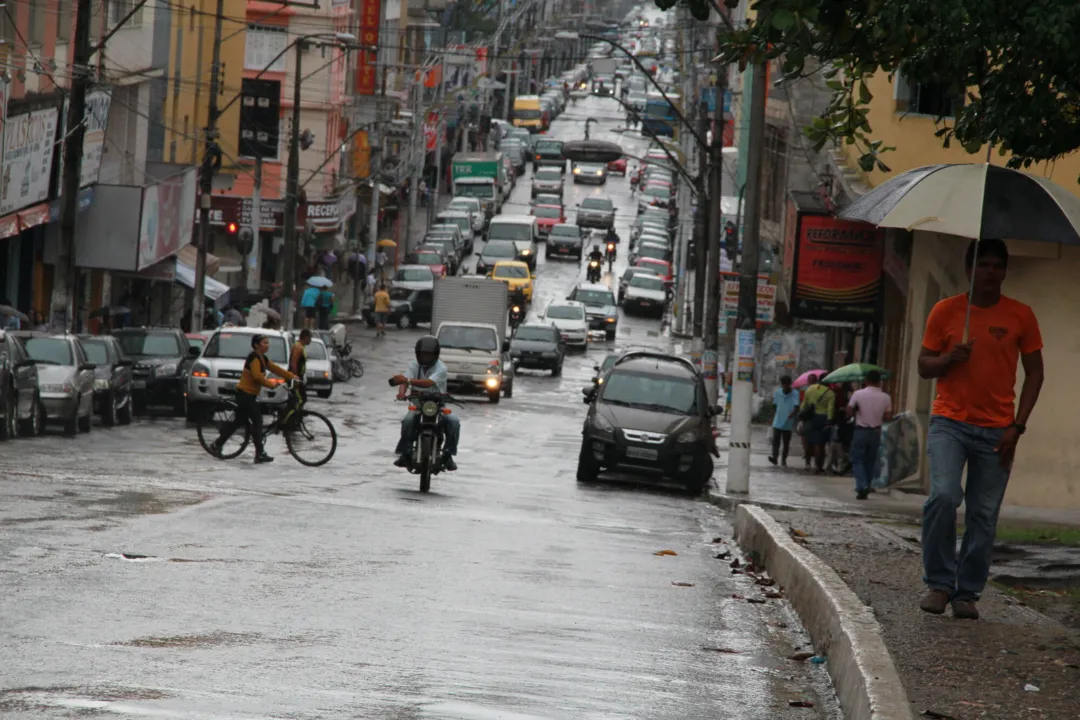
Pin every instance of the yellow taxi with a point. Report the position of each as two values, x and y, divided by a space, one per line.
515 274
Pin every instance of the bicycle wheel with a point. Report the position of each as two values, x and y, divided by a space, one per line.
342 373
311 439
356 367
210 427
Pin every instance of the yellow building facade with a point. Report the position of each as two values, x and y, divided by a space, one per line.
1047 468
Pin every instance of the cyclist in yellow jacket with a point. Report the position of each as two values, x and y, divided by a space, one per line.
252 381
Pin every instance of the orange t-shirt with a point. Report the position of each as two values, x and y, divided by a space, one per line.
981 391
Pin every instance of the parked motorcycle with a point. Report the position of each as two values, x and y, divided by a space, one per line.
427 457
593 273
346 367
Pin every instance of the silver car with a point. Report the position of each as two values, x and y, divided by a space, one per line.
217 370
65 379
547 180
319 378
596 212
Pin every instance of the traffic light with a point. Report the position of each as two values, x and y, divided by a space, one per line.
731 241
232 228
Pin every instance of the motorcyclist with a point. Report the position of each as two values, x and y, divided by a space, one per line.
424 372
612 236
596 255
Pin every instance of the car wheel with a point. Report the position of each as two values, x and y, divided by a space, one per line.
7 426
123 413
108 410
700 475
493 397
323 393
35 424
556 369
404 321
587 468
610 334
508 390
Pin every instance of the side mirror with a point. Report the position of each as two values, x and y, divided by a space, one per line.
596 368
193 352
589 393
88 366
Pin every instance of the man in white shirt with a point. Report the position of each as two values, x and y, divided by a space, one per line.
870 407
425 372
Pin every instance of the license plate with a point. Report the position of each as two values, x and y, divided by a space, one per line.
641 453
464 378
564 250
646 302
138 384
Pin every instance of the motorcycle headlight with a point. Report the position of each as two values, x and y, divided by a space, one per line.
430 408
526 252
166 369
101 384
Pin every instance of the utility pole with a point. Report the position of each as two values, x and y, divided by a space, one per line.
211 157
251 263
62 317
440 133
292 189
416 152
373 209
710 358
738 469
701 261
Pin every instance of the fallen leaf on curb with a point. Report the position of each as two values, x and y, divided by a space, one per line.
682 584
665 552
756 601
723 556
766 581
773 595
799 533
735 563
936 715
801 656
726 651
717 540
800 703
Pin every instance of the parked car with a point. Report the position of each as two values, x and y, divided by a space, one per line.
565 240
617 166
521 230
449 251
408 306
547 217
198 340
472 206
21 409
217 370
651 414
656 195
662 268
162 358
112 378
432 258
570 320
537 346
590 173
597 212
645 294
625 280
453 230
464 223
414 277
319 374
547 180
651 249
65 379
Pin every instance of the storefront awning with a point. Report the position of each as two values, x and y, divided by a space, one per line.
216 291
188 255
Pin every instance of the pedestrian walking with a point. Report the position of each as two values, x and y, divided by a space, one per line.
786 402
816 412
381 260
381 309
325 303
869 407
309 302
423 193
973 422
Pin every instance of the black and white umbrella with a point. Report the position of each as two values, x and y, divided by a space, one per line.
978 201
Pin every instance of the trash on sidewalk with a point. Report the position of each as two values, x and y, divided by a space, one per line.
665 552
682 584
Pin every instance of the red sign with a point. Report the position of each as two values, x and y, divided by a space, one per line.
431 131
837 269
367 60
370 15
366 80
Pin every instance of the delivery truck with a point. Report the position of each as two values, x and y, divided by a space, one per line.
469 317
481 176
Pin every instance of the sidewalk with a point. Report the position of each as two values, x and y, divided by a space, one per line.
1015 663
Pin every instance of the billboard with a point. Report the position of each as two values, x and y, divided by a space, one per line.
29 144
837 269
166 222
367 60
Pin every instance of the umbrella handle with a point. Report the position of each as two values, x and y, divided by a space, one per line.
971 289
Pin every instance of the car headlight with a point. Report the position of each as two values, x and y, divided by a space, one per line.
67 388
430 408
526 252
101 383
687 437
166 369
602 423
577 171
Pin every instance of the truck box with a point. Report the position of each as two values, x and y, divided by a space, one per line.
480 175
469 316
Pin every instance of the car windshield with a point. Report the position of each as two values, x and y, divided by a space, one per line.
549 147
197 342
567 230
510 231
596 204
541 334
646 282
153 344
96 352
316 351
527 114
457 337
428 258
594 297
544 199
548 174
565 312
51 351
400 293
651 251
462 221
462 206
511 271
445 243
413 275
475 190
238 345
547 212
651 392
500 250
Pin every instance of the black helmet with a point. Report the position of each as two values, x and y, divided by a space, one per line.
427 346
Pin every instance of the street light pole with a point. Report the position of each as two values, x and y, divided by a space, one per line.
292 181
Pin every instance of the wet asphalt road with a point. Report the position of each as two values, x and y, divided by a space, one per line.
341 592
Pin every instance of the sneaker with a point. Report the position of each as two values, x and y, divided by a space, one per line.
772 459
402 461
783 463
965 610
448 463
217 448
263 458
861 495
934 601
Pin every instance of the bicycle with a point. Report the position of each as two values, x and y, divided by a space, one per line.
346 367
296 424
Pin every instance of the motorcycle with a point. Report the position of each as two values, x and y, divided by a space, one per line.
516 316
427 456
593 273
610 255
346 367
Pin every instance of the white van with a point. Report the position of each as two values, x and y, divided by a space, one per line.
522 230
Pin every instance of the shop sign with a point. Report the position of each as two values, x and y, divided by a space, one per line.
766 302
368 60
29 142
838 269
325 215
361 159
165 224
744 355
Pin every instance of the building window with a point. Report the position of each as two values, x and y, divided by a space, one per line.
63 21
264 48
775 170
37 23
119 9
925 98
7 32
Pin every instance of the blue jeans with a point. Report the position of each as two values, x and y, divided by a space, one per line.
451 433
864 451
951 444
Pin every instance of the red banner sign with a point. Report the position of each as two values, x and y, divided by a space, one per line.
431 131
367 60
366 80
837 269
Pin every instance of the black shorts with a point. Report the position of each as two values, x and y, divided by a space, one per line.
310 312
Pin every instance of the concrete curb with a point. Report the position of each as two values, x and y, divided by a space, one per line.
731 502
840 625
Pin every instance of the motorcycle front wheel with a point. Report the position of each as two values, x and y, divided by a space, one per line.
427 452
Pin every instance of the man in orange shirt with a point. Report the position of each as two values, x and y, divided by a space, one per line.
973 422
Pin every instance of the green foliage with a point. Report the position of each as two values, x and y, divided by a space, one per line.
1016 63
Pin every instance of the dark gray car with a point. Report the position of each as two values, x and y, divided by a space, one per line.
600 307
21 410
565 240
651 414
537 346
598 212
112 378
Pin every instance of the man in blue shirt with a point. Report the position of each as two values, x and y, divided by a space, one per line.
424 372
786 401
